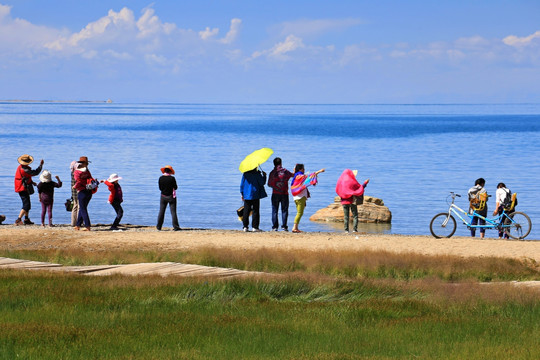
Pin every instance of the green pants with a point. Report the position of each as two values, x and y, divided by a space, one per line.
354 210
300 206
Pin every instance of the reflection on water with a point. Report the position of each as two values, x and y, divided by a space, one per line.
370 228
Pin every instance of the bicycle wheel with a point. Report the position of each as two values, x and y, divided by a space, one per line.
442 225
520 225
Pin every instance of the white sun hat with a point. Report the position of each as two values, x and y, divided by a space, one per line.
113 178
45 176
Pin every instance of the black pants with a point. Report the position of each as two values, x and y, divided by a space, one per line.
249 206
163 202
119 213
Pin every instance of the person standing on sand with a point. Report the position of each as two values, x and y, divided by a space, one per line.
349 190
478 203
75 200
503 197
46 194
167 186
278 180
85 186
24 186
252 191
115 198
300 193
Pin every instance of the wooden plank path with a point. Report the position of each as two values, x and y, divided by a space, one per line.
161 268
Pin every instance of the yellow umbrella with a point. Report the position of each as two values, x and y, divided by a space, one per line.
255 159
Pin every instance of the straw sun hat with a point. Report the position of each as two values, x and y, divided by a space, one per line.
25 159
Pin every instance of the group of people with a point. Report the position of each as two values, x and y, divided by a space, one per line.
252 191
83 186
478 197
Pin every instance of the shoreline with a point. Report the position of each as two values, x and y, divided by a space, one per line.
147 238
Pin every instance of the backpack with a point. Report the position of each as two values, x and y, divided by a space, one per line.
478 201
510 201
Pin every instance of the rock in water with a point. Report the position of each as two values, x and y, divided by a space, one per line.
372 211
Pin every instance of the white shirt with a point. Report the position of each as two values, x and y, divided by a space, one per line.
500 195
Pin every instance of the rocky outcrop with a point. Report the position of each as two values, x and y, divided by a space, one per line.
371 211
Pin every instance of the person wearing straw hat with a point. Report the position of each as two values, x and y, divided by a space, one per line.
167 186
24 186
46 194
115 199
85 186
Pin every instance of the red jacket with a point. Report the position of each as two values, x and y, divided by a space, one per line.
81 179
116 192
22 173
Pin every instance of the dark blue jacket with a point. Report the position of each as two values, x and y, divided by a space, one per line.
252 185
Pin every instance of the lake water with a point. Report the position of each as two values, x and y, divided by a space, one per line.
413 154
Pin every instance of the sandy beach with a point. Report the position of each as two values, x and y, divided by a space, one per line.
147 238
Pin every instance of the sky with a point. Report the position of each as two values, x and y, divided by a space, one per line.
249 51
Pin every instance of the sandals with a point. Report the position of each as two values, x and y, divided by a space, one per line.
297 231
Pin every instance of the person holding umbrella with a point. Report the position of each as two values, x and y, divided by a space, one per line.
252 186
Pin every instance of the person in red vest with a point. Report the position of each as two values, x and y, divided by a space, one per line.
24 186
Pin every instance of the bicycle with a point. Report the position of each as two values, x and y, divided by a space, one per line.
516 225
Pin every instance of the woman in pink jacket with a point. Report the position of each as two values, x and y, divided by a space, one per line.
348 188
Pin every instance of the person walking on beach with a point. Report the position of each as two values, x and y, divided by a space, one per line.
115 198
252 191
46 194
75 200
86 186
478 203
24 186
278 180
299 185
167 186
350 191
503 202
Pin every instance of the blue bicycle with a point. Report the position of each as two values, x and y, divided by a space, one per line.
516 225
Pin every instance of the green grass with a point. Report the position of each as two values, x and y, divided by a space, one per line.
52 316
327 305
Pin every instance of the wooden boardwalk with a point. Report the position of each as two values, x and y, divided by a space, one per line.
162 268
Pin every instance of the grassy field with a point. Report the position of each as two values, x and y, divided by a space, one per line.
327 305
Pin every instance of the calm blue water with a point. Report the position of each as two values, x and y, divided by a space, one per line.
413 154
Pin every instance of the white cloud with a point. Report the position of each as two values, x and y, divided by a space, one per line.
515 41
312 27
281 49
234 30
149 24
208 33
20 37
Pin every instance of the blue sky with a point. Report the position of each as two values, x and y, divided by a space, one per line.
243 51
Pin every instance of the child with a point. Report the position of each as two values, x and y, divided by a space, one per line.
46 194
300 193
115 198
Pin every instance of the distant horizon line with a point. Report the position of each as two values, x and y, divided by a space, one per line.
109 101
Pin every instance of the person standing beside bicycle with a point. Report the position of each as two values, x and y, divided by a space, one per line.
478 205
503 202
